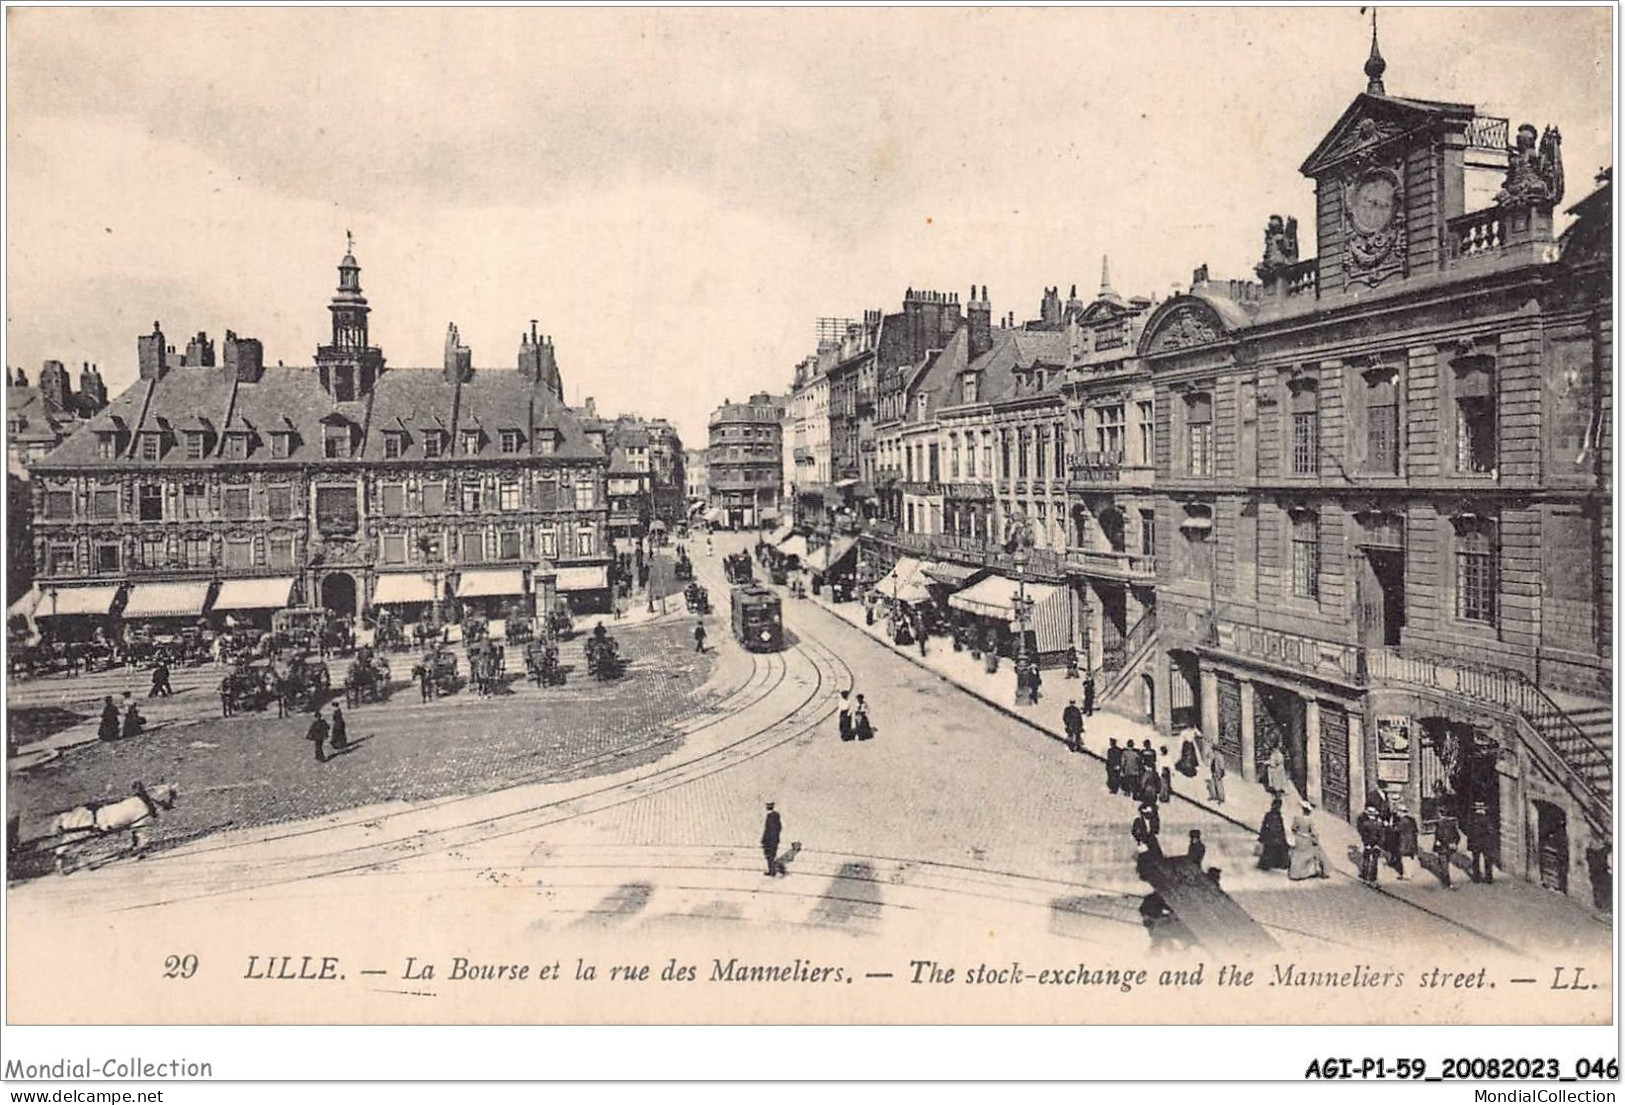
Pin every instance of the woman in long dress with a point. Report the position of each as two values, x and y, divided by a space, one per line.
1273 853
1215 776
1276 771
1308 860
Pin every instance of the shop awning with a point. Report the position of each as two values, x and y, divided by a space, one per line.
781 534
77 600
713 515
831 555
995 597
904 582
795 545
956 575
592 577
402 587
167 600
480 582
255 594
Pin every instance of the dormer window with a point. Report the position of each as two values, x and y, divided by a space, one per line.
336 442
394 445
968 389
281 444
919 407
152 446
237 446
510 441
595 438
471 442
194 445
431 443
546 442
106 445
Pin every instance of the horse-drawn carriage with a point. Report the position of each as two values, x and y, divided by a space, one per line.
487 665
736 566
311 629
697 598
303 680
476 627
519 629
92 834
194 645
604 660
439 666
247 687
542 663
368 677
243 644
560 625
685 566
387 630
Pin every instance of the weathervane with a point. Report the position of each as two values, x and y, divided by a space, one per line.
349 242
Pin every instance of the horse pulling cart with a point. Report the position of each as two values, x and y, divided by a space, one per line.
604 660
439 666
542 664
368 678
487 665
92 835
247 687
697 598
304 680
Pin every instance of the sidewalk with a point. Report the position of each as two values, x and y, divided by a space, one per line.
1512 911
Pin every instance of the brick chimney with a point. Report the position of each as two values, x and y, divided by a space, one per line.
458 364
151 354
979 321
245 358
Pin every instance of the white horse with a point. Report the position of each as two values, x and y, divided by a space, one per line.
99 819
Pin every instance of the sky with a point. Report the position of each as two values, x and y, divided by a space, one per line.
677 196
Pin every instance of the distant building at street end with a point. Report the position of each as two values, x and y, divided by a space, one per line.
745 461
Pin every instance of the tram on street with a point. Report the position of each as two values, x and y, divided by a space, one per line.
758 621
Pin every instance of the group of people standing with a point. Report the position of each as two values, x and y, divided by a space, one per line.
1389 835
112 726
1303 858
321 734
854 719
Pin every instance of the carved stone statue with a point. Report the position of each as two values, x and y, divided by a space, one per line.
1018 532
1280 247
1534 174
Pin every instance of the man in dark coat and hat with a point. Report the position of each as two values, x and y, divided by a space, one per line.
1072 722
1089 693
1481 844
1372 832
772 828
1114 766
1131 770
317 735
1274 854
1446 839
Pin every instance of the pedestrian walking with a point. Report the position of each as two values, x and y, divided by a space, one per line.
846 715
160 681
1144 831
339 730
1089 693
108 729
317 735
1196 850
1035 681
1273 853
1150 780
771 830
1481 844
1071 661
425 681
1165 786
1446 839
699 636
1072 722
1131 770
1390 842
1148 754
1114 766
860 721
1369 826
1308 859
1406 830
1215 776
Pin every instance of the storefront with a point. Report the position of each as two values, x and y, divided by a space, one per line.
76 613
584 587
494 593
408 596
993 601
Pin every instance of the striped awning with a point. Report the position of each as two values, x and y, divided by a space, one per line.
904 582
825 558
594 577
995 597
166 600
781 534
24 607
255 594
480 582
76 600
795 545
956 574
402 587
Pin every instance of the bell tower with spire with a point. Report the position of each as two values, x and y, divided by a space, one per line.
349 365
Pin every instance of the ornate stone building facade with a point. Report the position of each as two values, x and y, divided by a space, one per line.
236 488
1384 511
745 461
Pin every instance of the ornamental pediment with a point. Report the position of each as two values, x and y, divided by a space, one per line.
1372 122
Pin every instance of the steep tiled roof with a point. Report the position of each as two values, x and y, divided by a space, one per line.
287 398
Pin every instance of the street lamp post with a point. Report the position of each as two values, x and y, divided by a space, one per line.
1019 539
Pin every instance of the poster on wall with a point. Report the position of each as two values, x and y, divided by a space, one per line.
1394 735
